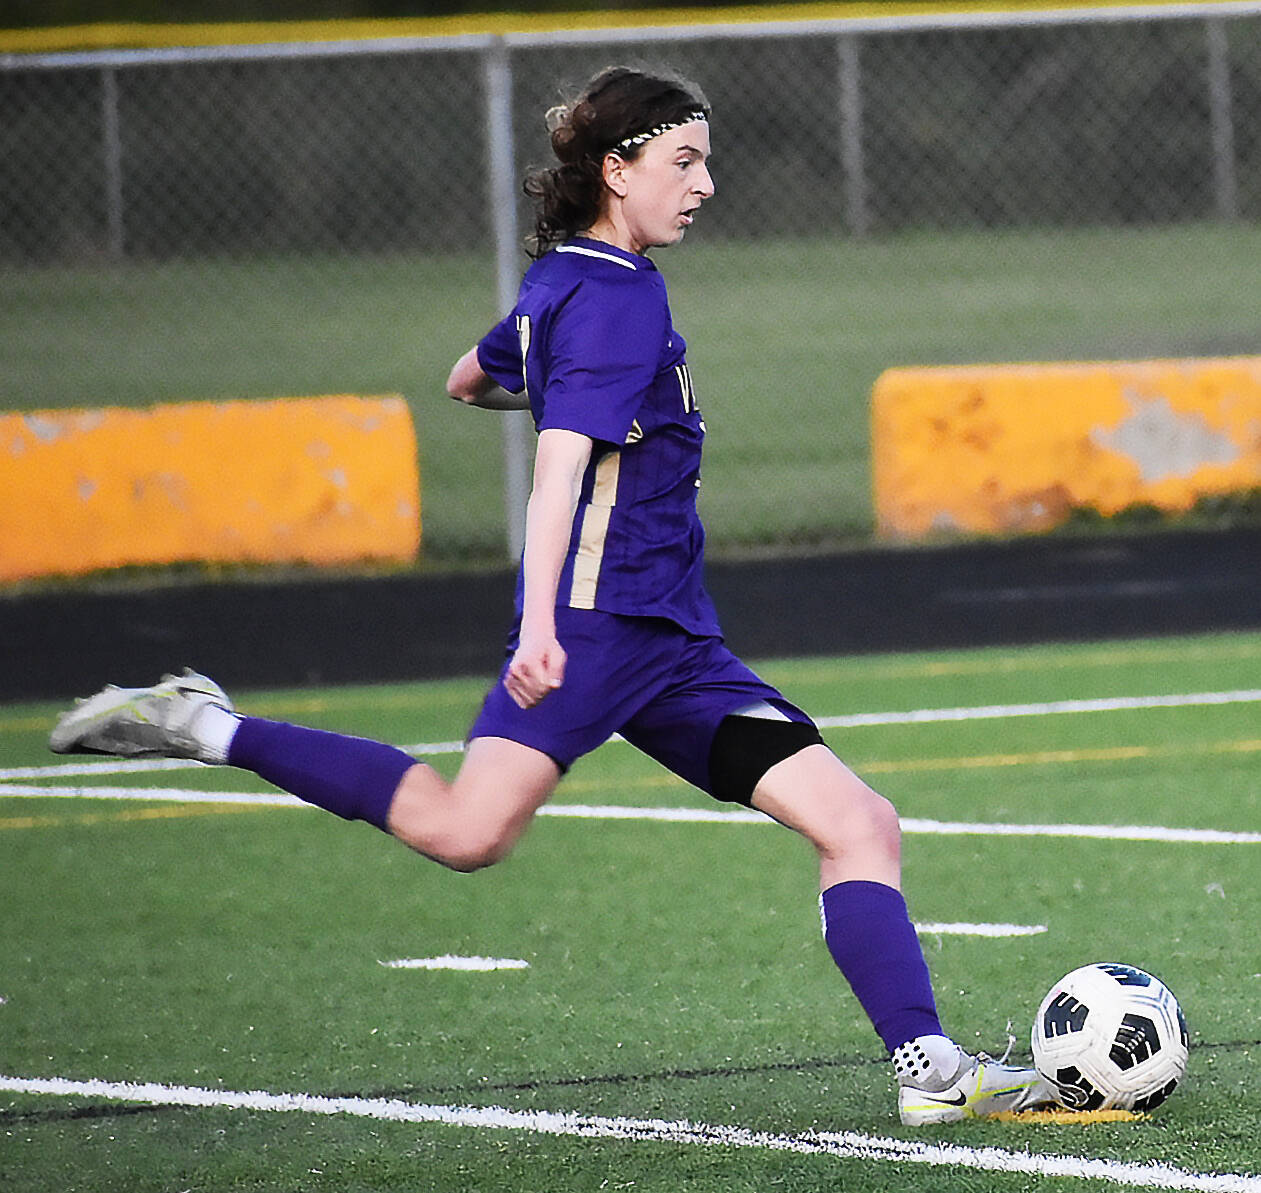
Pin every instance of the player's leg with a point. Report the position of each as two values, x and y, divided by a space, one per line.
476 819
869 933
722 728
857 837
465 824
854 829
771 765
514 760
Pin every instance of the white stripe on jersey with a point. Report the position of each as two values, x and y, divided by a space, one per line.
584 252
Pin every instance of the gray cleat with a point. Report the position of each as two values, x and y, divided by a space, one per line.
154 722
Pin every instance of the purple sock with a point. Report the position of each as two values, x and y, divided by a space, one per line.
872 940
350 776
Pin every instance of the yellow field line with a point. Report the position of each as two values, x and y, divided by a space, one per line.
1073 1118
421 699
154 35
1058 757
26 724
331 700
975 761
987 761
176 812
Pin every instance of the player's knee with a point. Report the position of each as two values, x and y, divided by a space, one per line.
470 860
879 823
473 848
861 817
833 808
857 826
457 846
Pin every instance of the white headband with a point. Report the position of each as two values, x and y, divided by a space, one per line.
657 130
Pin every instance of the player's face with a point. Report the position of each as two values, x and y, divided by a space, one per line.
665 185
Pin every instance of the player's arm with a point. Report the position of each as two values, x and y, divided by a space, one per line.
468 383
538 666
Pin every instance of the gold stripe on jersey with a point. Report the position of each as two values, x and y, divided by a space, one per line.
595 529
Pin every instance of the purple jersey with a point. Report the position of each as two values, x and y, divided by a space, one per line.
591 341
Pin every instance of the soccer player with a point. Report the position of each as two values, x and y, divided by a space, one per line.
614 631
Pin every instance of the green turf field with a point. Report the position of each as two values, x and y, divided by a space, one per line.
786 339
675 970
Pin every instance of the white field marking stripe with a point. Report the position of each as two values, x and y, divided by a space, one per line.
981 929
917 716
622 812
1102 832
136 766
112 766
178 794
995 711
846 1145
1098 832
474 964
1137 832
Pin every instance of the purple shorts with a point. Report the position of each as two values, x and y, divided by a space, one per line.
661 688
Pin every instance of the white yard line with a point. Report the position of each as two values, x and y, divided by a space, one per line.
845 1145
985 712
918 716
472 964
112 766
1095 832
1138 832
183 795
948 828
981 929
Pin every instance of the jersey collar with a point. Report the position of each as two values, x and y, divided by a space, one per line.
603 249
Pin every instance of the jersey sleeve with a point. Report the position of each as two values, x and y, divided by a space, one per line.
604 350
499 355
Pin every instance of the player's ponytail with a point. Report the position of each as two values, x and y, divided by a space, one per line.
618 111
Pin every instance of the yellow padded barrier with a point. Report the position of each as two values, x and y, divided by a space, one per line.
1012 448
317 480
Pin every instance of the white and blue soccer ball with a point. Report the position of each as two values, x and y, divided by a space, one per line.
1110 1037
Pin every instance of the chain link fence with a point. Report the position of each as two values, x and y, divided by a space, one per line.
357 156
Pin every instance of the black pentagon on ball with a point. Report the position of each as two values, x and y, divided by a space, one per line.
1064 1014
1075 1091
1136 1040
1153 1100
1126 975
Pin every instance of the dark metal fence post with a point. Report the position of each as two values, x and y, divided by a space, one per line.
1221 120
501 162
112 153
853 165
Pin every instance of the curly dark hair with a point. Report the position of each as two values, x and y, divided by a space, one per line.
618 103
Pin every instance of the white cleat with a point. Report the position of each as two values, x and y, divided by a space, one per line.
151 722
983 1087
